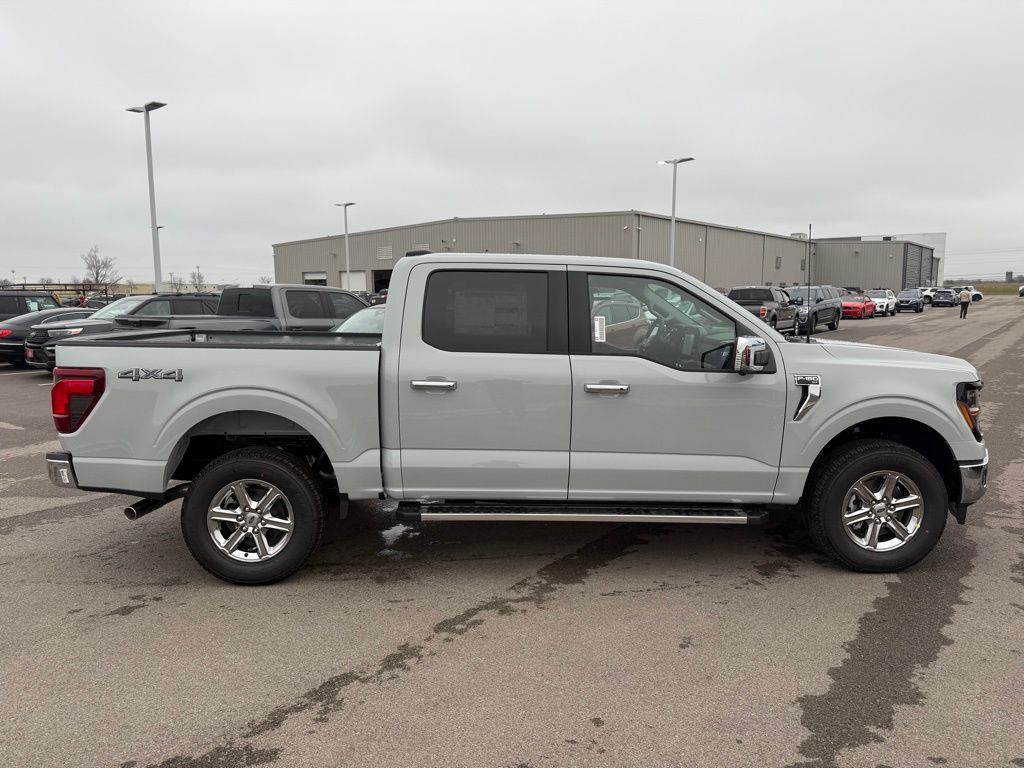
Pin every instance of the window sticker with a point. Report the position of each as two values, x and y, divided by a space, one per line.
599 334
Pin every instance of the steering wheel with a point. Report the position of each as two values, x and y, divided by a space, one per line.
653 331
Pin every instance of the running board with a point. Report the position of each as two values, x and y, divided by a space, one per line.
415 513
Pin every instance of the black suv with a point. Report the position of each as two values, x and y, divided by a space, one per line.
773 305
910 300
819 304
18 302
41 340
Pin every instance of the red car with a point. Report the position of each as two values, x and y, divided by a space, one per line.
858 306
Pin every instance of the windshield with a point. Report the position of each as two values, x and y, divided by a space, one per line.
908 294
800 291
369 320
118 308
878 294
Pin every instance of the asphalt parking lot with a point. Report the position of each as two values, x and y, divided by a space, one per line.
517 645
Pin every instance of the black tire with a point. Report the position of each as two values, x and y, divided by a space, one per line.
834 325
919 310
18 363
285 471
837 474
927 299
772 323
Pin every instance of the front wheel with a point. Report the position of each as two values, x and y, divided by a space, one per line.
876 506
253 516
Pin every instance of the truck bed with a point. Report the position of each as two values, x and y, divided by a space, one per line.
162 388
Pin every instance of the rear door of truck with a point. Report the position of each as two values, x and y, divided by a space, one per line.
484 385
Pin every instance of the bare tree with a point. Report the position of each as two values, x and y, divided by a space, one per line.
265 280
176 282
4 282
197 279
129 286
99 270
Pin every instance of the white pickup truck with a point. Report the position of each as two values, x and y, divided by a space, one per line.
524 388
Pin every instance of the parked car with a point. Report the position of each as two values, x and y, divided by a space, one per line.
624 320
819 303
40 341
14 330
14 302
944 297
858 307
380 297
366 320
976 295
928 291
262 308
469 410
772 305
885 301
910 300
1020 291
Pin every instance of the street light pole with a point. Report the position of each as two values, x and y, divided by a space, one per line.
672 233
145 109
348 265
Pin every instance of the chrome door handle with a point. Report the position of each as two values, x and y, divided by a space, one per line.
436 386
606 389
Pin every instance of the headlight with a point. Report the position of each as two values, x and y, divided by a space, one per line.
60 333
968 401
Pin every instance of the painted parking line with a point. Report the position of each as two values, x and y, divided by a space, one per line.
19 373
45 384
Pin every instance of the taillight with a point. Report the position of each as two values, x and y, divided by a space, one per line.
75 393
5 332
762 312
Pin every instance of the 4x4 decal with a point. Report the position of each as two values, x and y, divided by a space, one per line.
138 374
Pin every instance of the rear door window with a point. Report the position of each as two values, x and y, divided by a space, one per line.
187 306
156 307
36 303
305 305
487 311
344 306
9 305
250 304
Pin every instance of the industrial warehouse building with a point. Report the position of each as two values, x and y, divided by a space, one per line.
720 256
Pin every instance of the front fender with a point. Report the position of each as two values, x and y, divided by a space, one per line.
804 442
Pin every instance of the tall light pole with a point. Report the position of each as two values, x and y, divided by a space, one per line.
145 109
672 233
348 264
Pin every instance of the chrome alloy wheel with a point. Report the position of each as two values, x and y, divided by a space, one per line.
250 520
882 511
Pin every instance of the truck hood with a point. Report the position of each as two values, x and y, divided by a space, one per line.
91 326
873 354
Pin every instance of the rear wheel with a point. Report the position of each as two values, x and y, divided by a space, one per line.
876 506
253 516
834 325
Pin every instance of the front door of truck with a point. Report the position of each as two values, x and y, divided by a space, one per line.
484 387
664 417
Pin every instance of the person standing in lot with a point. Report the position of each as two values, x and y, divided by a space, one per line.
965 302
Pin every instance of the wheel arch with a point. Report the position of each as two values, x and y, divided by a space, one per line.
913 434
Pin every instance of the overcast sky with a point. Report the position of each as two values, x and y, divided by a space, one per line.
859 117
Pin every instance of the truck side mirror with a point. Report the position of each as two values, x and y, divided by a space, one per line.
751 355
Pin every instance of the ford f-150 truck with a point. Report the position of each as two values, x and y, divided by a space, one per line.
497 393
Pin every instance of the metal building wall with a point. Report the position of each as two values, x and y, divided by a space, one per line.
858 263
691 243
912 270
734 258
790 254
720 256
